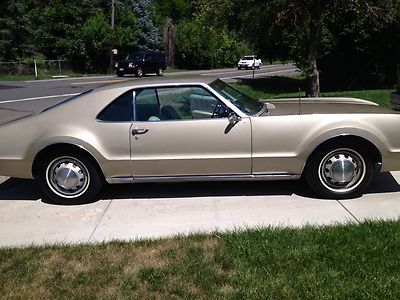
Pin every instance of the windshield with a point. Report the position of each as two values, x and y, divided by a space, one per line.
248 58
135 56
245 103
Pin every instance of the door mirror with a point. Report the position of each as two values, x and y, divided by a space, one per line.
234 118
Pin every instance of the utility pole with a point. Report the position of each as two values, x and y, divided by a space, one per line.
113 35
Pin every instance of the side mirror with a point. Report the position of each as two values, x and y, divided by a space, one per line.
233 118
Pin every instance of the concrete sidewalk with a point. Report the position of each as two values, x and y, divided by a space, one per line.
127 212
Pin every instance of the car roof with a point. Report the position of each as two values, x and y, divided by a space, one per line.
132 83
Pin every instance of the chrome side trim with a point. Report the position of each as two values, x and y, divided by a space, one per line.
265 177
122 179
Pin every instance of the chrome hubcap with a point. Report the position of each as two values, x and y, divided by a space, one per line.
342 170
67 177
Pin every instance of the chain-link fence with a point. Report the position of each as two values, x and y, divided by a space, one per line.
39 68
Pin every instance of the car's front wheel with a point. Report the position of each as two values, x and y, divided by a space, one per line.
139 72
339 172
69 178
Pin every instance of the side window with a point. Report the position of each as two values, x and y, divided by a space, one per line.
147 107
188 103
177 103
120 110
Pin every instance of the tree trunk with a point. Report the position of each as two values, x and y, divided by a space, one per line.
169 44
398 78
315 29
314 88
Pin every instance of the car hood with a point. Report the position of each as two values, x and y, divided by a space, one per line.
323 106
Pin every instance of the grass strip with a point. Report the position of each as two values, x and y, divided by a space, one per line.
292 87
359 261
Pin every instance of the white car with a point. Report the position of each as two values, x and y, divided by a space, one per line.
249 62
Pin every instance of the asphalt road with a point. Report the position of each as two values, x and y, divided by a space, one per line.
22 97
128 212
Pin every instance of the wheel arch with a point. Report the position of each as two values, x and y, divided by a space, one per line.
350 140
68 148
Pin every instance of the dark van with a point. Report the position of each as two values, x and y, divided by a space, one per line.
141 63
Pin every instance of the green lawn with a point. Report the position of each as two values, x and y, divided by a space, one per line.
284 87
357 261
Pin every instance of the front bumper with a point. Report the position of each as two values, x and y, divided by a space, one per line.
245 66
130 69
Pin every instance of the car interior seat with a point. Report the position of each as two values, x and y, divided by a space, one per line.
169 113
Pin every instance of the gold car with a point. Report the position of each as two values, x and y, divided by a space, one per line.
165 130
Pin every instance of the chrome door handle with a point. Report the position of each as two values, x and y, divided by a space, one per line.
139 131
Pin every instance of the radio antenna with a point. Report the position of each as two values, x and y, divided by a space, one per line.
299 102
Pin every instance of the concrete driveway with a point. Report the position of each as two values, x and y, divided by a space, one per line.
128 212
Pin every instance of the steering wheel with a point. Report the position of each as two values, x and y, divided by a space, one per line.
216 110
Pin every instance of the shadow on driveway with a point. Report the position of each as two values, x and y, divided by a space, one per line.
22 189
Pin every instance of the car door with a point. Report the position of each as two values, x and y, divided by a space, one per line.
148 64
185 131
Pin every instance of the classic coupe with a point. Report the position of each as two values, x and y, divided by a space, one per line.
198 128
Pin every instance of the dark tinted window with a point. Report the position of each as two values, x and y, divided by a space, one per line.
135 56
120 110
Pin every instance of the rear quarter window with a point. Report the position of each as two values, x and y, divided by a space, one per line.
120 110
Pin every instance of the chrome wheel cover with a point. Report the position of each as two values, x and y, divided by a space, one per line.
342 170
67 177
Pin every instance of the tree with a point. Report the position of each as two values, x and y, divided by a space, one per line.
287 29
59 27
305 20
97 33
206 40
150 36
14 31
364 47
195 45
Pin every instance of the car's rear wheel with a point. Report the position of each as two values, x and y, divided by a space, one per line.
139 72
69 178
160 71
339 172
239 68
